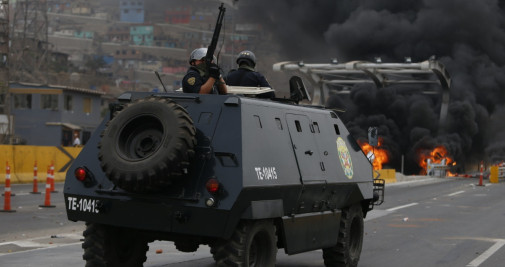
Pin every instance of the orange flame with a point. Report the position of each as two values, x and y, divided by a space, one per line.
436 156
381 154
450 174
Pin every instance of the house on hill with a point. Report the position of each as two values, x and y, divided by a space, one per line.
132 11
52 115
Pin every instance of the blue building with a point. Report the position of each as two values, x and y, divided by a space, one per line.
132 11
84 34
142 35
54 115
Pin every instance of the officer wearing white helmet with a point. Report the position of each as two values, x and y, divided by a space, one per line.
202 80
246 75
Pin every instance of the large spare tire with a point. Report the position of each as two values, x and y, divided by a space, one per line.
147 145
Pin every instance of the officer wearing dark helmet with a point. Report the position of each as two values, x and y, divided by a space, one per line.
198 81
246 75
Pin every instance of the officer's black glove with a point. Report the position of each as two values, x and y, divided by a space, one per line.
214 71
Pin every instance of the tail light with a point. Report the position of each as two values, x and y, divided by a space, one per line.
212 185
213 188
83 175
80 174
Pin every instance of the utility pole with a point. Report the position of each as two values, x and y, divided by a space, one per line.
5 131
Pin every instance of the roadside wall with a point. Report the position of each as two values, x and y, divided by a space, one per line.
21 160
389 175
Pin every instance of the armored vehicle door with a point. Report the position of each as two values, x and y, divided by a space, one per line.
304 145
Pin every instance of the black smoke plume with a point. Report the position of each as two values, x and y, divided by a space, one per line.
467 36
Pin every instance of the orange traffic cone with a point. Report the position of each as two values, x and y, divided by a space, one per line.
481 173
8 179
51 172
35 185
7 190
48 176
47 201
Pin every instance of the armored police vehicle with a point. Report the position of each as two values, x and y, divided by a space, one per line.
244 175
241 174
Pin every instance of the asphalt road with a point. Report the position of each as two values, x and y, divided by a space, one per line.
433 222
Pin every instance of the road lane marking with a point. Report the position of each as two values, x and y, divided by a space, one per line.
40 243
40 248
375 214
401 207
487 254
455 193
405 225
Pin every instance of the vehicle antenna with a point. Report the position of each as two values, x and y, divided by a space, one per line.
159 78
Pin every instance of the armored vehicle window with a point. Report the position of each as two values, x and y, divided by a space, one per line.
337 131
279 123
316 127
258 121
298 126
205 117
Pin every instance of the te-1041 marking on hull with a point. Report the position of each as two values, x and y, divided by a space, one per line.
82 204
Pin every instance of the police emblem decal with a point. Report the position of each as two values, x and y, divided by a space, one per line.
191 81
345 158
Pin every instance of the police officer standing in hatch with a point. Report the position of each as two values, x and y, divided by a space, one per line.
198 81
246 75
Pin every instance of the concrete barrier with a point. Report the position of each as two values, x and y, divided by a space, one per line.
496 172
21 160
389 175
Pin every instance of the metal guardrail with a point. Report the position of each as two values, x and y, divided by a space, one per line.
438 171
501 172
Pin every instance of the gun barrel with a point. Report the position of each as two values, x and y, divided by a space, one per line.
213 44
